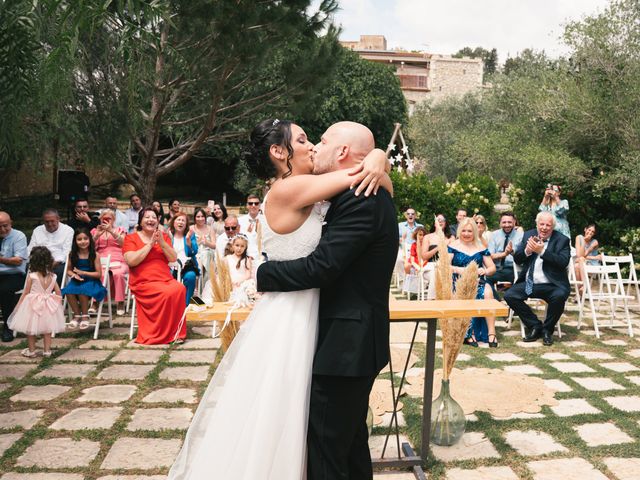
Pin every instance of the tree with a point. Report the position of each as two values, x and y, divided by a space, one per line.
489 58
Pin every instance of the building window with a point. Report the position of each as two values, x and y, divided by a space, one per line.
413 81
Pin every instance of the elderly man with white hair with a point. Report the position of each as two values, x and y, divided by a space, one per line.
544 256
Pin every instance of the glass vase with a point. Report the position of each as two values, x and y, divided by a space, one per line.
447 418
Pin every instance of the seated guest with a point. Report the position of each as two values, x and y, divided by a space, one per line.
108 240
206 239
133 212
461 214
13 260
251 227
56 236
82 217
185 244
501 246
111 203
406 228
483 234
157 207
544 254
465 249
217 217
430 243
160 299
84 272
587 250
174 209
231 229
416 265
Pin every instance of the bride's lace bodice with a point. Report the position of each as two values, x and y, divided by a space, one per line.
296 244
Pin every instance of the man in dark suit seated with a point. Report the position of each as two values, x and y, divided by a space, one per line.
544 256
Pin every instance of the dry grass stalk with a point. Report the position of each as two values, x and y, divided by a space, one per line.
224 278
443 269
221 288
216 289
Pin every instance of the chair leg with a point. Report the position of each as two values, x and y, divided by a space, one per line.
133 318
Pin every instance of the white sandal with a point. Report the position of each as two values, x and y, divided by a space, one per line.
46 354
74 323
28 353
84 324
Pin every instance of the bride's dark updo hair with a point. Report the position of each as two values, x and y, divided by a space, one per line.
268 132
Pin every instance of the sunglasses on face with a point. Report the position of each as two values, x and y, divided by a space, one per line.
229 229
253 204
479 223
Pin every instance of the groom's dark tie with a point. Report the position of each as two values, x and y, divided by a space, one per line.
504 247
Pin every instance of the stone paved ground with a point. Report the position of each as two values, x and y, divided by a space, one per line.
109 409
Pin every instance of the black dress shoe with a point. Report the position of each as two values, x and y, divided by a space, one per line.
535 334
7 334
547 339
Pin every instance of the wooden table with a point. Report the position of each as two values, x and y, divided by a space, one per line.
401 311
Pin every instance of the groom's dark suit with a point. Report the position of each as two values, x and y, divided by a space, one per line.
352 265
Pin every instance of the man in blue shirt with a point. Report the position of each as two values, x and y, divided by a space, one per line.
405 229
13 262
502 244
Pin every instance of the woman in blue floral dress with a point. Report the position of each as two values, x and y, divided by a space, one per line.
465 249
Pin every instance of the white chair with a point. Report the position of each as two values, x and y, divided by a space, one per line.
611 291
631 281
533 302
575 283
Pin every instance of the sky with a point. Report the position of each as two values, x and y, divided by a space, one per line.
445 27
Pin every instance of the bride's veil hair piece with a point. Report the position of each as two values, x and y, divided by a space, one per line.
266 133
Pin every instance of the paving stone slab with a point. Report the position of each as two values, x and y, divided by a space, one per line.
376 442
42 476
529 344
626 404
596 355
4 386
88 418
571 367
16 341
160 419
171 395
57 342
635 353
597 434
615 343
504 357
133 344
196 374
573 406
565 469
126 372
102 344
202 344
393 476
472 445
620 367
386 419
15 371
115 331
482 473
623 468
523 369
597 384
6 440
132 477
463 357
193 356
574 344
203 329
108 393
555 356
557 385
14 356
84 355
511 333
141 453
634 379
531 443
59 453
137 356
34 393
520 416
23 418
76 370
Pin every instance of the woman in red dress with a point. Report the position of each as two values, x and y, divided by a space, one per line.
160 299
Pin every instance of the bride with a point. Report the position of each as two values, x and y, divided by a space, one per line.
252 420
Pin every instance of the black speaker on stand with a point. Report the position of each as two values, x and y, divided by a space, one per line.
72 185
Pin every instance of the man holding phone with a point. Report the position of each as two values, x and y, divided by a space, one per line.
544 256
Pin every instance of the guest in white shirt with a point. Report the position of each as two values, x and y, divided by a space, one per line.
250 225
231 229
133 212
56 236
111 203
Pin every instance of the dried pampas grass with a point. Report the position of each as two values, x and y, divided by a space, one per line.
453 329
221 287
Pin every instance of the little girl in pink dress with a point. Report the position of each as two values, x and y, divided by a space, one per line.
39 310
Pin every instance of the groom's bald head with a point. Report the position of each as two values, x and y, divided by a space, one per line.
343 145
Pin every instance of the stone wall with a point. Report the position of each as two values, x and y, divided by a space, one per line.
454 76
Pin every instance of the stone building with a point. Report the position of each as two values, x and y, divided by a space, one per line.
422 75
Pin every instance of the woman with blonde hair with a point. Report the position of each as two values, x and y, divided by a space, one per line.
483 234
465 249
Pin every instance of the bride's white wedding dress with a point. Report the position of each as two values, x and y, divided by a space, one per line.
252 420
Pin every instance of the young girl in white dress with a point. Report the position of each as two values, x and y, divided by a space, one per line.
238 261
252 420
39 310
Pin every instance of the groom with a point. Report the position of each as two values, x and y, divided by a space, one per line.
352 265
